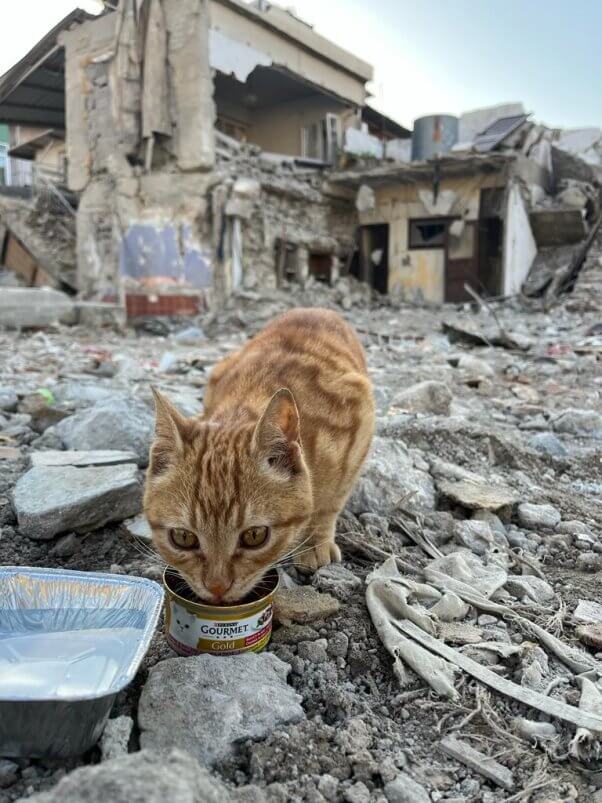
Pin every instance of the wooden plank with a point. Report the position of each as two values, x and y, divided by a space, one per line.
18 259
477 761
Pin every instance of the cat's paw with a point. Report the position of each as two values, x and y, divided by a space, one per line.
320 555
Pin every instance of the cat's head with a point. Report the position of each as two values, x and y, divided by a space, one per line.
226 502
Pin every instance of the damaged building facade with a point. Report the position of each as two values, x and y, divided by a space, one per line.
193 132
209 145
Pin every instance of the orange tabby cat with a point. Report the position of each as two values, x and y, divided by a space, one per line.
262 475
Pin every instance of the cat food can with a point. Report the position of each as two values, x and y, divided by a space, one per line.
194 627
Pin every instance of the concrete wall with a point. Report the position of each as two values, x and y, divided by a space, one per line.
301 51
419 274
278 128
520 248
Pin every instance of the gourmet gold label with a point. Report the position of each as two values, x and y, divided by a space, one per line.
190 632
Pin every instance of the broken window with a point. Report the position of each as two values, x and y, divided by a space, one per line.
428 233
321 140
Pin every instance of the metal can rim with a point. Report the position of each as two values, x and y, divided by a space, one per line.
213 610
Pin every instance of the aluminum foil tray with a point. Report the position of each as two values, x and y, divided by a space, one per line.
69 642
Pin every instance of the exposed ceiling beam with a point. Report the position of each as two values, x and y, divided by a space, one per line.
42 88
8 104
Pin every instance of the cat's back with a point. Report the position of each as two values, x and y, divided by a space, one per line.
313 352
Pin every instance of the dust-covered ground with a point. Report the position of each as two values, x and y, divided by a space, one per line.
522 415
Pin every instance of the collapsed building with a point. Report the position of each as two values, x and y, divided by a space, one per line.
197 147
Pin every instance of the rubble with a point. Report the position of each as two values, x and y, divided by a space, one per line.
442 493
147 775
241 697
34 307
51 500
115 737
304 605
116 424
532 517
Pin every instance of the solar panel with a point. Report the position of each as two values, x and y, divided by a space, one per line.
498 131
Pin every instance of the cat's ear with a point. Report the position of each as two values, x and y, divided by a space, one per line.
277 437
171 429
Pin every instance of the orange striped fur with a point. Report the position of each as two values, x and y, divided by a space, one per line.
287 424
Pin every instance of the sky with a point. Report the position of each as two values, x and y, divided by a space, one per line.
434 56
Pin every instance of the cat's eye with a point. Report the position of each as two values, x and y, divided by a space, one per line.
254 537
183 539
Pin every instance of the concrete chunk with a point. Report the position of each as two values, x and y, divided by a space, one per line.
49 500
29 307
100 457
206 704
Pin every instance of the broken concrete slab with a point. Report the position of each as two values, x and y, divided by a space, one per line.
33 307
206 704
425 397
147 776
102 457
489 767
477 495
49 500
116 424
303 604
534 517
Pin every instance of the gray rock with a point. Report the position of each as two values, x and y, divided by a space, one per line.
528 585
117 425
8 773
206 704
532 517
144 777
26 307
548 443
589 562
478 495
66 546
85 394
388 476
8 399
405 789
358 793
496 524
115 737
587 423
338 645
425 397
51 500
313 651
336 580
328 786
475 535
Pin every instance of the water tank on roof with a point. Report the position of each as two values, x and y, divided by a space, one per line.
433 135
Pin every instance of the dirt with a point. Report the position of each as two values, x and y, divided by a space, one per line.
363 728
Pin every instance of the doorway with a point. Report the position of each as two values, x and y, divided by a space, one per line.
461 264
374 256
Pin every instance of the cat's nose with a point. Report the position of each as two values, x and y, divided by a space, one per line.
217 589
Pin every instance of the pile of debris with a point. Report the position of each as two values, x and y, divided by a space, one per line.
453 655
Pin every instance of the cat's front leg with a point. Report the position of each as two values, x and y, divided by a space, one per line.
317 547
